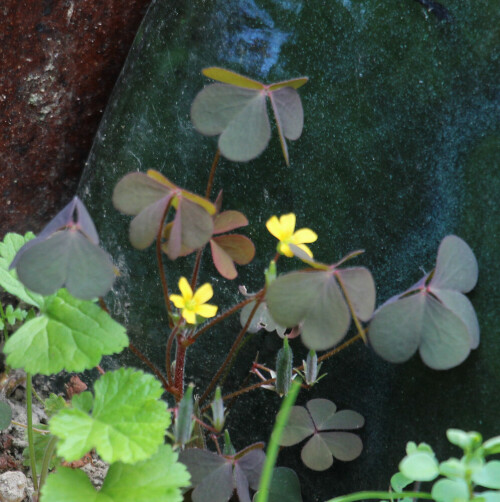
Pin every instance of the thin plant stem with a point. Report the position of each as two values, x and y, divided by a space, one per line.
211 176
161 268
4 319
274 442
31 443
49 451
151 366
352 497
238 393
233 349
18 424
255 446
336 350
218 319
180 360
168 352
360 329
210 184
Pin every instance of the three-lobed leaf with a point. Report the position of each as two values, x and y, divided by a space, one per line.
11 244
317 300
159 478
127 422
70 334
236 109
433 316
318 419
147 197
66 254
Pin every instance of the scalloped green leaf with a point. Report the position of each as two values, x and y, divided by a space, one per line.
399 482
157 479
70 334
127 422
299 426
9 247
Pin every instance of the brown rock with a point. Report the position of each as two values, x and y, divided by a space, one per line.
59 61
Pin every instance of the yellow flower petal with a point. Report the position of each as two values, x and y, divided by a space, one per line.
274 227
203 294
177 300
206 310
287 222
189 315
305 249
284 249
186 291
304 235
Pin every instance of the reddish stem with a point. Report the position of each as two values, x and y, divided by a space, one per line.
258 300
223 316
212 174
168 351
180 359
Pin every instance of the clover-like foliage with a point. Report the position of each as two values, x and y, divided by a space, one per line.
236 109
317 299
226 249
216 477
148 196
321 419
66 253
432 316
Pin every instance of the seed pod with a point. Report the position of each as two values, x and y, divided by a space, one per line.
218 411
284 362
184 423
270 272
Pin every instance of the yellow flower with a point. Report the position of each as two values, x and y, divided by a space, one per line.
194 304
284 230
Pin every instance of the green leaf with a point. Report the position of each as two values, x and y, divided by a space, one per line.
490 496
489 475
53 404
419 466
5 415
452 468
40 442
285 486
127 422
464 440
447 490
399 482
492 446
71 334
157 479
11 244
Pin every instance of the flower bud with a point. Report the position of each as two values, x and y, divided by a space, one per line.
311 368
284 368
218 412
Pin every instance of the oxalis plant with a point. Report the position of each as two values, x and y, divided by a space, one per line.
158 439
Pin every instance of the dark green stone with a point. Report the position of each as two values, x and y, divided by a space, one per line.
400 148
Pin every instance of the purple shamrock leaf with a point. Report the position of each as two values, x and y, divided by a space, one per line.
433 316
66 254
216 477
321 419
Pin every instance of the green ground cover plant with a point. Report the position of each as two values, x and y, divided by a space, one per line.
157 452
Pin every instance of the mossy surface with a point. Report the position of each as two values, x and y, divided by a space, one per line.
399 149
